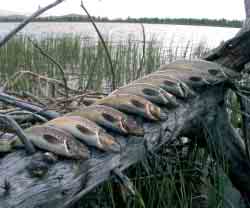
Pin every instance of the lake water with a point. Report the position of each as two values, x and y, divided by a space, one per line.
177 35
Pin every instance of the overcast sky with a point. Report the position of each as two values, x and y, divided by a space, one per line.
213 9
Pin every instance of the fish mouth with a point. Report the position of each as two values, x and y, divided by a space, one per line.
123 126
108 143
156 113
132 127
153 112
83 153
78 151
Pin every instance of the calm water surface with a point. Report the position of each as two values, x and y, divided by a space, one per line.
166 34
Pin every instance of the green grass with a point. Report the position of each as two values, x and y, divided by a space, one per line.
163 180
86 61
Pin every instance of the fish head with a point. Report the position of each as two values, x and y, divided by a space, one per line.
58 141
114 120
131 126
108 142
154 112
77 149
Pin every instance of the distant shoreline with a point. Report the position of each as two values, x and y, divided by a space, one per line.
142 20
128 22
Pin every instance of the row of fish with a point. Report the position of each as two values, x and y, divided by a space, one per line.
70 134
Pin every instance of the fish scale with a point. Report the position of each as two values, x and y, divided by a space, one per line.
110 118
177 79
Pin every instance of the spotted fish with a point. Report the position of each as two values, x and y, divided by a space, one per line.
110 118
133 104
86 131
152 93
55 140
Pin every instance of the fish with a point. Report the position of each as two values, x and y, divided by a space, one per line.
55 140
211 70
133 104
190 78
190 65
170 85
86 131
152 93
110 118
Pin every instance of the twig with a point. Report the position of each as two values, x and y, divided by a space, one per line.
28 20
124 180
18 75
27 106
33 97
30 115
54 62
104 45
143 53
19 132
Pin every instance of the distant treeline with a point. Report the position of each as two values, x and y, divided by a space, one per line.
176 21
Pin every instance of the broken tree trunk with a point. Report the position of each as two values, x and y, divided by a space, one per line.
38 181
66 178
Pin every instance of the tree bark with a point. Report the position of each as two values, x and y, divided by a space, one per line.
247 8
66 178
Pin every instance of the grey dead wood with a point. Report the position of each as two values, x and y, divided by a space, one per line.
64 179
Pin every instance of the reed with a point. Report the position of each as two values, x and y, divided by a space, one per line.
84 60
165 179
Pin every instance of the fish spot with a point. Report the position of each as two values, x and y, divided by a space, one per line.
109 117
51 139
137 104
150 92
195 79
169 83
213 71
84 130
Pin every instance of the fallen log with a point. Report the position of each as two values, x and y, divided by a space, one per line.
61 181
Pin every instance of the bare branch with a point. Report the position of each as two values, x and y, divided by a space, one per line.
19 132
104 45
28 20
54 62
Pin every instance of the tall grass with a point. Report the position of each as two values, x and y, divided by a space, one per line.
84 60
166 179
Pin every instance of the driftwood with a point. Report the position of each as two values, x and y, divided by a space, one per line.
38 180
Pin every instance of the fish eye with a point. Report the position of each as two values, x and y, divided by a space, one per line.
51 139
84 130
109 117
169 83
137 103
150 92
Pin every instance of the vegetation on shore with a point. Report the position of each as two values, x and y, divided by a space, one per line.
85 59
153 20
180 179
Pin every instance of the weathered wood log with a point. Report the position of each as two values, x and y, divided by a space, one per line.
66 178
